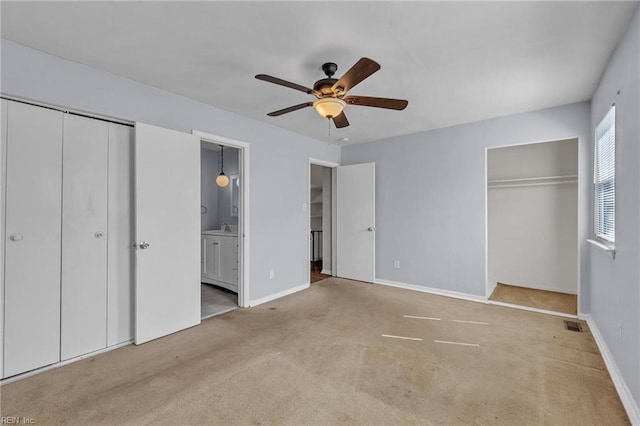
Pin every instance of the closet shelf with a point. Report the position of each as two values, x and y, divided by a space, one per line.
534 181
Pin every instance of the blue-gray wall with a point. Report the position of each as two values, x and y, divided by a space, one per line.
615 284
430 195
279 158
209 169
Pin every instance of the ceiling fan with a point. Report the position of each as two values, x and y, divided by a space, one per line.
331 93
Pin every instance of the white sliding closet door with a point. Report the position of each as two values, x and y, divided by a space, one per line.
84 236
4 105
120 275
356 222
167 189
33 233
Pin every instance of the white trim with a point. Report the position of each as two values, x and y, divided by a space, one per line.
66 110
326 272
278 295
324 163
531 309
62 363
244 281
431 290
610 249
332 165
630 405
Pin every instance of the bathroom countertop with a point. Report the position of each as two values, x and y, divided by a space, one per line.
220 232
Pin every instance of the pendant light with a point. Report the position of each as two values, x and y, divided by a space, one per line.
222 180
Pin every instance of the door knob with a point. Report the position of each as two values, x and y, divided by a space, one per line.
371 228
144 245
15 237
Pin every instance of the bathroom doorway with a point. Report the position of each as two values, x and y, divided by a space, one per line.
222 213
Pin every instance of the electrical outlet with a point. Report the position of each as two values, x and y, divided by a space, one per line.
396 264
272 274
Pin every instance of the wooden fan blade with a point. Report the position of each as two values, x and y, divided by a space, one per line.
361 70
290 109
285 83
341 120
397 104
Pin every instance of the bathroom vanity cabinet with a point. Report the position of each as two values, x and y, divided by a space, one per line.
219 264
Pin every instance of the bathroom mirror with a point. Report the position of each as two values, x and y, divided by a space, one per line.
235 190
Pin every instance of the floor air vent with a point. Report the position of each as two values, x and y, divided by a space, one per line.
573 326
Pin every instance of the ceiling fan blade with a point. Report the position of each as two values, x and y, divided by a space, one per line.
397 104
361 70
289 109
285 83
340 120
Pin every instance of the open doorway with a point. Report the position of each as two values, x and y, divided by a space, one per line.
321 230
220 213
532 226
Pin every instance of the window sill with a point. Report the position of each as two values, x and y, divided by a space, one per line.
606 247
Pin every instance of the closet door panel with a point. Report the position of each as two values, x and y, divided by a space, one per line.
84 236
3 180
120 274
32 238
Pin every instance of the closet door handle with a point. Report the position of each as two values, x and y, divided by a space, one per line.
16 237
144 245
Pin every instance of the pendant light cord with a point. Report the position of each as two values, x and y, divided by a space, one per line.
221 159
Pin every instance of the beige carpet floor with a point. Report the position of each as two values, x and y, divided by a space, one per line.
319 357
541 299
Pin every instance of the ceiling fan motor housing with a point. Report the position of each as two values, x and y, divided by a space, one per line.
324 85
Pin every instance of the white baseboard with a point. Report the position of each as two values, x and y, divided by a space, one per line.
326 272
530 309
630 405
437 291
62 363
278 295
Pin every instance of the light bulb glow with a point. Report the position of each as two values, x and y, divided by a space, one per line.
329 107
222 180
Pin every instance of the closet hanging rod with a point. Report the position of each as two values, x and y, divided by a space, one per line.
534 179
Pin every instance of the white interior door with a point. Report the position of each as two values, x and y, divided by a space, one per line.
356 224
84 236
167 190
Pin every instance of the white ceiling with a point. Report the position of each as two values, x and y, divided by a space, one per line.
455 62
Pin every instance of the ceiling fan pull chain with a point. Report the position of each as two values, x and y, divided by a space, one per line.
329 131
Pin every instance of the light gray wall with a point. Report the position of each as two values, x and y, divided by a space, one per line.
533 225
231 156
279 159
615 284
209 164
430 195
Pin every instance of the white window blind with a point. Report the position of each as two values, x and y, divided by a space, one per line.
605 177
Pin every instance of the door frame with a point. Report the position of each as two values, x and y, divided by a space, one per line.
332 165
243 215
581 241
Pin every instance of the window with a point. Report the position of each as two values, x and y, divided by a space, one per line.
604 178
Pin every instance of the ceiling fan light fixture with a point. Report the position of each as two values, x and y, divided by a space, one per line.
329 107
